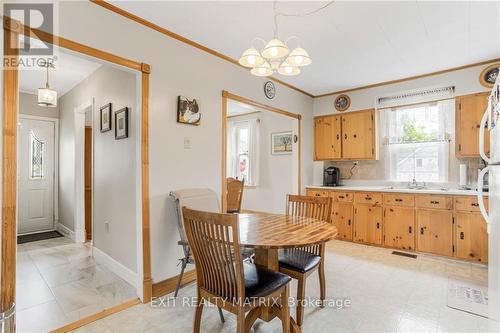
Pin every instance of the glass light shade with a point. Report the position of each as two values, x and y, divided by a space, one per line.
262 70
298 57
275 49
47 97
251 58
288 70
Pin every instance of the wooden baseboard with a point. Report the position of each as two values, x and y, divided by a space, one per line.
90 319
168 286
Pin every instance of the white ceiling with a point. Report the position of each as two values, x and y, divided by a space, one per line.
68 72
352 44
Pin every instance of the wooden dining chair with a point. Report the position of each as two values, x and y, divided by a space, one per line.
224 279
299 263
234 194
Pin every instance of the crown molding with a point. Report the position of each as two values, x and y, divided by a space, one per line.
443 71
185 40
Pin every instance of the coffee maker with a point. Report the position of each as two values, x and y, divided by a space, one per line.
331 176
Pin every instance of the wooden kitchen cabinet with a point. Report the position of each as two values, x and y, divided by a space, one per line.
317 193
435 231
399 227
469 110
471 237
327 138
367 224
347 136
343 219
358 135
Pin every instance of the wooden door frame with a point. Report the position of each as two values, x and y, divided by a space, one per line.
229 96
12 30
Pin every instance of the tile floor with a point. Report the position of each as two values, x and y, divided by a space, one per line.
388 293
59 282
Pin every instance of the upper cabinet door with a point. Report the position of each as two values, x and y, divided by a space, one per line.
469 111
358 135
327 138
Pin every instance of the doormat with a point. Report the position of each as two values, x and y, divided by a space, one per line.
468 296
404 254
37 237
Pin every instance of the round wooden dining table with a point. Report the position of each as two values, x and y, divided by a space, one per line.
267 233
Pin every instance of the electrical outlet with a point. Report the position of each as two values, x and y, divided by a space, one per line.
187 142
106 226
355 163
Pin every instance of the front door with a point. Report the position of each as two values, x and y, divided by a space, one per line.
36 175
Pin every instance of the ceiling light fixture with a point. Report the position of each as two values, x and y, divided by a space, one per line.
275 55
47 97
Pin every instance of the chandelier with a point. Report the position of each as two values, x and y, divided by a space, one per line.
275 56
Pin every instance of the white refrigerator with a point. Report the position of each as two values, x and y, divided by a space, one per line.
491 122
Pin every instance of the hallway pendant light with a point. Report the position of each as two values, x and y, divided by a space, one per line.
298 57
251 58
262 70
275 49
47 97
288 70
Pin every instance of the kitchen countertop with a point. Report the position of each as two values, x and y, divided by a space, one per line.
395 189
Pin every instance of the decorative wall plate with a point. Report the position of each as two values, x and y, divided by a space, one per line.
269 90
489 75
342 103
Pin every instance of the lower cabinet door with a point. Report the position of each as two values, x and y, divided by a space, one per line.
399 227
343 219
368 224
471 237
435 231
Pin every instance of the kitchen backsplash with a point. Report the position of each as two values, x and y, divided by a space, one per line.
376 170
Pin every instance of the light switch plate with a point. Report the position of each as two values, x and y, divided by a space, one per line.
187 142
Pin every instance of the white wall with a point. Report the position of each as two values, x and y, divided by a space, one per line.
114 188
466 81
28 105
178 69
277 173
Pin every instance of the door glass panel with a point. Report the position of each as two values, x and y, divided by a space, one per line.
37 151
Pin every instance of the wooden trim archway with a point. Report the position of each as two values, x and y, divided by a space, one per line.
12 30
227 95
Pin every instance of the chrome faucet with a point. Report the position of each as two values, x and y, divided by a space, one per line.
415 185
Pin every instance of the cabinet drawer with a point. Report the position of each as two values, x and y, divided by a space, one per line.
468 204
343 196
317 193
397 199
434 201
368 198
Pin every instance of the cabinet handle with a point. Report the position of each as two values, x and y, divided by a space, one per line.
398 200
378 225
434 202
355 136
368 198
341 197
474 204
390 209
349 222
421 231
338 136
410 229
345 136
318 195
462 235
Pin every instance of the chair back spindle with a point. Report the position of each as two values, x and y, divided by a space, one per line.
307 206
214 241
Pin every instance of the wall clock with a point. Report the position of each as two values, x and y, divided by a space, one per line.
342 103
269 90
489 75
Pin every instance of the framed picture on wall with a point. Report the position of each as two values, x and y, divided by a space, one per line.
105 118
188 111
121 124
281 143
